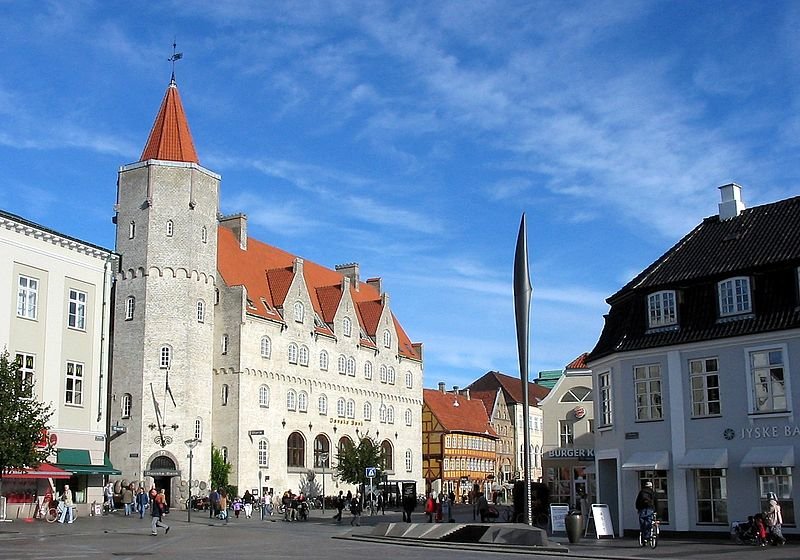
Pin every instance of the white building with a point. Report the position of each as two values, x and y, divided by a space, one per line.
221 338
54 320
695 374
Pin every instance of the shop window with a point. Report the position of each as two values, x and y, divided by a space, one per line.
711 490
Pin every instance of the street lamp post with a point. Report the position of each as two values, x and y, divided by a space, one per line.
324 459
191 444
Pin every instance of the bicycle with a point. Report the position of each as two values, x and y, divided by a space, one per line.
652 538
47 512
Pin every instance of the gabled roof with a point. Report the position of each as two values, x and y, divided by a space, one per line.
267 273
456 413
170 139
579 362
511 386
762 243
759 237
489 399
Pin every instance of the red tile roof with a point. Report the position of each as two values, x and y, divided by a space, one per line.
512 386
267 272
170 138
488 398
579 362
469 416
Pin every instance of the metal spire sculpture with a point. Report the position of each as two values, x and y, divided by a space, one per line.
522 304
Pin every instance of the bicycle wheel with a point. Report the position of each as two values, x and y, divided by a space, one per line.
51 515
654 537
642 540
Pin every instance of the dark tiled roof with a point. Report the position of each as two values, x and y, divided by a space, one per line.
762 243
511 386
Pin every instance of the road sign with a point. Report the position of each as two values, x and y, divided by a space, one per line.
371 472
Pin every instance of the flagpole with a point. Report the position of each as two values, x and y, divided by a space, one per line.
522 303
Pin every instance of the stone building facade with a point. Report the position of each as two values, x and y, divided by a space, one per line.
224 340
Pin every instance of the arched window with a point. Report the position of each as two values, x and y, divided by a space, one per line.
323 360
367 412
341 406
127 404
391 375
204 235
170 228
351 367
201 311
382 414
383 374
409 380
322 405
351 408
291 400
132 230
266 347
390 415
299 311
164 357
347 326
263 396
577 394
263 453
130 307
225 392
293 353
296 450
198 429
367 370
322 452
302 401
388 455
304 355
409 460
345 444
224 343
387 339
408 417
342 365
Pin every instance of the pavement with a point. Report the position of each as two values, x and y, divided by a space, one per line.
119 537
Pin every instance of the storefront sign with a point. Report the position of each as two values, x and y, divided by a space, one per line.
765 432
579 412
557 514
162 472
602 520
346 422
569 453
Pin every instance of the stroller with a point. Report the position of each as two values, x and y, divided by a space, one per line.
753 532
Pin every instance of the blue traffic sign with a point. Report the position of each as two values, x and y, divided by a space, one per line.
371 472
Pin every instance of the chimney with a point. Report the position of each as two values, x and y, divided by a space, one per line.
455 389
375 283
237 223
441 387
349 270
466 393
731 204
297 267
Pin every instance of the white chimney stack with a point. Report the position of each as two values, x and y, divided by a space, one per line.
731 204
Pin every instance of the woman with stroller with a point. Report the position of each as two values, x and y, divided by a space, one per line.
774 520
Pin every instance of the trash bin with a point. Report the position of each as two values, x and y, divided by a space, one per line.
574 525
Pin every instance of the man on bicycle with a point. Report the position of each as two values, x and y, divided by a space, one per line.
646 504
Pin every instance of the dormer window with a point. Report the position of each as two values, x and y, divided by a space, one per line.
299 311
734 296
661 309
347 326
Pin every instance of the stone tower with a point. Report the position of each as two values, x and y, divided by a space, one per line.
161 384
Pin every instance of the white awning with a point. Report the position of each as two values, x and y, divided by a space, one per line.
647 461
772 456
704 459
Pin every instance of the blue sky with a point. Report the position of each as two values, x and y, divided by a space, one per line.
410 137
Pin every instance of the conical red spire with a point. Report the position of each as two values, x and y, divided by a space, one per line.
170 138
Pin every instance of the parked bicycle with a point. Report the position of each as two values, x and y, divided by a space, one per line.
46 509
650 535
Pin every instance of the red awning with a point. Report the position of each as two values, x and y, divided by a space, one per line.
44 470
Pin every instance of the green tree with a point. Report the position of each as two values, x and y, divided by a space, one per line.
23 420
353 460
220 470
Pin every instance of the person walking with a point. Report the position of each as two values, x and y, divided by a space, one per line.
127 500
339 507
108 493
774 519
142 499
430 507
247 501
159 507
646 503
223 506
213 504
67 505
355 509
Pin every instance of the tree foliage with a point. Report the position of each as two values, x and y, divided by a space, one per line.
23 420
353 460
220 470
